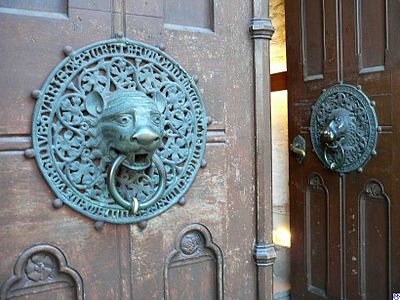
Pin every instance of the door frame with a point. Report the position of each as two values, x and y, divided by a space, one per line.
261 31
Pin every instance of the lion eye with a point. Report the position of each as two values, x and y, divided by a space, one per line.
123 120
156 118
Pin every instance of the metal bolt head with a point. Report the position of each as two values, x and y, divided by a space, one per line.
374 153
99 225
359 87
68 50
142 225
29 153
203 163
195 78
182 201
35 94
119 35
359 170
209 120
379 129
161 46
373 103
57 203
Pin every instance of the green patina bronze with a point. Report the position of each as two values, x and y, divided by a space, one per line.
344 128
119 131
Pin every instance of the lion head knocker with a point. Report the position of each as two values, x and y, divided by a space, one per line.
129 127
336 135
119 131
343 128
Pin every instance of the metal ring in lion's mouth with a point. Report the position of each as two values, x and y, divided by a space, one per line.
135 206
138 165
334 165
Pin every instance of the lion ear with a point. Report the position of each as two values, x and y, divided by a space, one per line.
160 100
94 103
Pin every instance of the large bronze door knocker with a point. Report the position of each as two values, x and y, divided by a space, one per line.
344 128
119 131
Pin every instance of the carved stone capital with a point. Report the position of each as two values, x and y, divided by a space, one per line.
264 255
261 28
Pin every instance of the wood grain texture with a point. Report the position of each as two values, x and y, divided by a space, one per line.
125 262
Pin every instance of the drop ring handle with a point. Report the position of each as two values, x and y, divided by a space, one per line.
134 205
334 165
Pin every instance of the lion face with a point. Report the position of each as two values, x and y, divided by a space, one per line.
129 123
337 125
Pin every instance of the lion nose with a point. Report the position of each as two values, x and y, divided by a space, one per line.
145 136
328 136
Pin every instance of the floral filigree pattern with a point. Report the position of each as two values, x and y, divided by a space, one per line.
66 135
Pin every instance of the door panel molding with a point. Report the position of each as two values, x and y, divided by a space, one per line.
313 39
317 232
375 240
372 35
195 257
43 269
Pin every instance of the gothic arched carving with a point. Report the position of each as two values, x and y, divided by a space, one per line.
42 269
194 253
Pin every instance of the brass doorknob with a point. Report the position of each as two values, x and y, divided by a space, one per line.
299 148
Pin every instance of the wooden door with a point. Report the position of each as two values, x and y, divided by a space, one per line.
345 227
49 253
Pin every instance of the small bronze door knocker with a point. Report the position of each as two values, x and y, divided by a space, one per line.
119 131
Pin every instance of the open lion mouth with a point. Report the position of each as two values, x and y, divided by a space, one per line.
138 161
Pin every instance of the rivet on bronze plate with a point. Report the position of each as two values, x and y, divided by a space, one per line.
182 201
209 120
373 103
374 153
57 203
195 78
203 163
29 153
359 170
142 225
99 225
161 46
359 87
67 50
35 94
119 35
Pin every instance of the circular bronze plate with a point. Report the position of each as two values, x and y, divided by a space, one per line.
351 115
64 133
